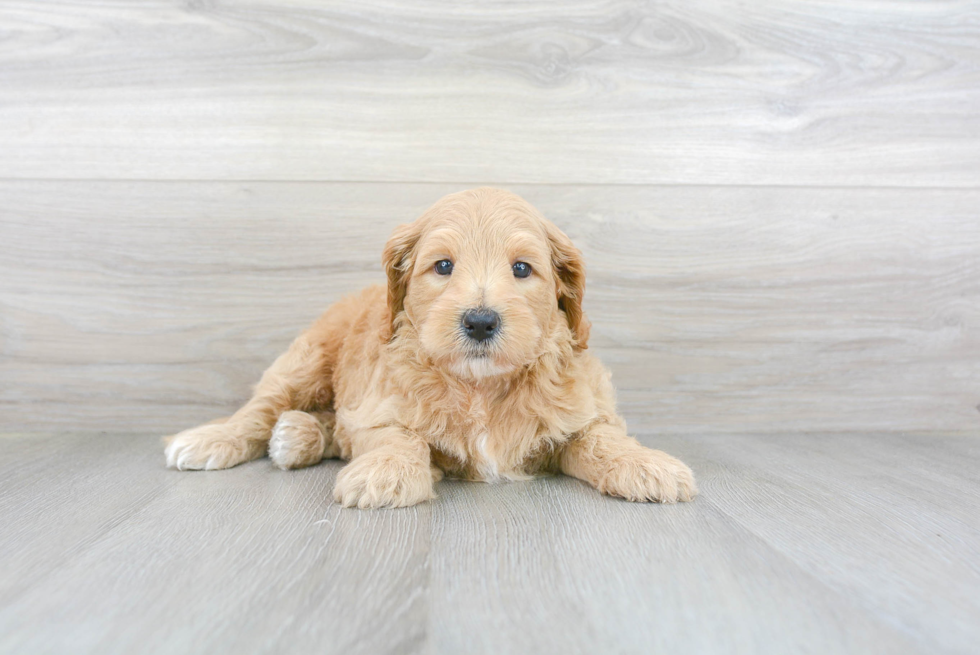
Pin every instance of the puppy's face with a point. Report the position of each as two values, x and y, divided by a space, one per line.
484 279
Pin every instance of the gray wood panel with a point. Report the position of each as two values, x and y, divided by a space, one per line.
784 92
152 306
147 561
827 543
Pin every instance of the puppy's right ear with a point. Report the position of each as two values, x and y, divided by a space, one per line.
398 258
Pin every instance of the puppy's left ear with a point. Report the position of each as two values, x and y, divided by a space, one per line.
570 272
397 259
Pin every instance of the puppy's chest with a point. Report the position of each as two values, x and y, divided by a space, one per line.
488 442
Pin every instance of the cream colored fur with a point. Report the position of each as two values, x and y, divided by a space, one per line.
388 380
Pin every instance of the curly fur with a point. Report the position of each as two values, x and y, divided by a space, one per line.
388 379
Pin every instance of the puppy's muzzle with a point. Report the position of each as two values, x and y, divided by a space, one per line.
481 324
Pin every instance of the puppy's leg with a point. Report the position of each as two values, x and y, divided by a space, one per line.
390 468
302 439
616 464
298 379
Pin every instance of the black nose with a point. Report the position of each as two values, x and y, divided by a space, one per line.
481 324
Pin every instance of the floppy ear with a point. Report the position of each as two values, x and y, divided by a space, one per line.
398 257
570 271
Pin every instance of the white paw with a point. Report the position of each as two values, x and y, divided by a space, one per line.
384 478
208 447
649 476
298 440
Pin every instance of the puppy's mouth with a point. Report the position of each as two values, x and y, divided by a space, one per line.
479 351
477 361
479 367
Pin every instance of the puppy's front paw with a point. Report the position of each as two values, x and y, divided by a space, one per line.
384 478
299 440
210 447
649 476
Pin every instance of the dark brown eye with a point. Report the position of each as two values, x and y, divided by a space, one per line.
521 269
444 267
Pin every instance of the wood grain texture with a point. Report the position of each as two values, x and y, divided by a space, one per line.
152 562
619 91
153 306
826 543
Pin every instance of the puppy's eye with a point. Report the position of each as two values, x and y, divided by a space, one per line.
521 269
444 267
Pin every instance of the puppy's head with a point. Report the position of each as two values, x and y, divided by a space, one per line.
486 282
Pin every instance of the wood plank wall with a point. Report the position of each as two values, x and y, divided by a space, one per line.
779 201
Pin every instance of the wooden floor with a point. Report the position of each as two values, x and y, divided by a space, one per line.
832 543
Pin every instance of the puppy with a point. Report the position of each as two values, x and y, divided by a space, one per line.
472 362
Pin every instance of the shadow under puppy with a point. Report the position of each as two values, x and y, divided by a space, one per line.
472 362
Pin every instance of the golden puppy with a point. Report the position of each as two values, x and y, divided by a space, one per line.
472 362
